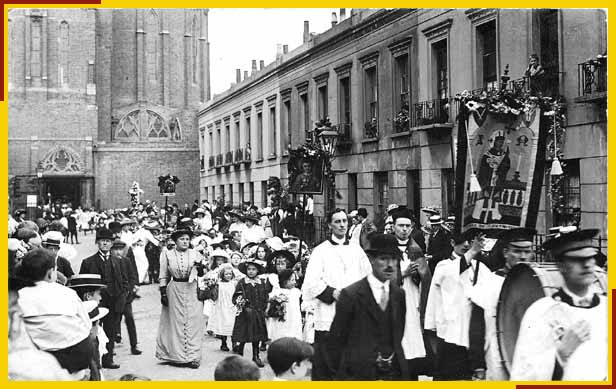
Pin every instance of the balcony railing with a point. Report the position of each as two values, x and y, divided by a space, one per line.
228 157
548 84
239 156
219 160
592 77
431 112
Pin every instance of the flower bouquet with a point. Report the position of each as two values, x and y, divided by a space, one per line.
208 290
277 307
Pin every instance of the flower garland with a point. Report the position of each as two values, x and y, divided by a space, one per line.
515 101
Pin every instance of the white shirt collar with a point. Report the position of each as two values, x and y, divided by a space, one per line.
376 287
577 299
339 241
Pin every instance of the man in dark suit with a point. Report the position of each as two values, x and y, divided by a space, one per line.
439 245
365 337
129 267
113 296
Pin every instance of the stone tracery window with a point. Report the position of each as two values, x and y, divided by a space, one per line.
146 124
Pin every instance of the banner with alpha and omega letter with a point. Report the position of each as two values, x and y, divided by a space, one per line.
506 153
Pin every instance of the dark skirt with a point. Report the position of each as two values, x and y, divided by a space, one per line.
250 326
76 357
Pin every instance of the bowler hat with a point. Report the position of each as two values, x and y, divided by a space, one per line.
104 233
383 244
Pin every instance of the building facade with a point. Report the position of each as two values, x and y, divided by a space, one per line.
99 98
374 68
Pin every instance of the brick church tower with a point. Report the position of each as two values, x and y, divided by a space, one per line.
99 98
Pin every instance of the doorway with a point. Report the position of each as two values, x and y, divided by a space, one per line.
66 190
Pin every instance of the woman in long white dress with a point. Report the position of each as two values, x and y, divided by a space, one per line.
180 332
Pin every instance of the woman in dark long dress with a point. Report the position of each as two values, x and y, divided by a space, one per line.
251 295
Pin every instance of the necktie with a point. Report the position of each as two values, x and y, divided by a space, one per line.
384 298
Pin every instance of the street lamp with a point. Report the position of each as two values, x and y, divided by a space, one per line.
329 139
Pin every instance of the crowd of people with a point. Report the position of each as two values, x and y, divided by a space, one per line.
365 304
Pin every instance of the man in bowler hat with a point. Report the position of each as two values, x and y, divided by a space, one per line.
366 334
113 296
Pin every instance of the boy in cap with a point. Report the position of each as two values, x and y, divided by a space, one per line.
565 336
365 338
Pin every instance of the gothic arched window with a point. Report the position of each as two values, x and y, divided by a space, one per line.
144 124
63 53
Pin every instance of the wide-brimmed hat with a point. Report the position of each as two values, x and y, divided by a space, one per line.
249 245
430 211
104 233
252 261
94 311
86 280
391 207
152 225
383 244
235 212
199 211
219 252
252 218
281 253
177 233
274 243
127 222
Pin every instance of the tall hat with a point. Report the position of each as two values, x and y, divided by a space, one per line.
573 245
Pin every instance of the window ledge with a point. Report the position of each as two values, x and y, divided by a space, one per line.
431 126
272 156
259 159
598 96
402 134
369 140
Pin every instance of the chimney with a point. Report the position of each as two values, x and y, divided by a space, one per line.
261 64
245 74
238 76
254 66
306 31
278 51
285 49
334 19
342 14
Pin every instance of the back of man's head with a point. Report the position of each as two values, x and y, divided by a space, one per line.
236 368
362 212
284 352
35 264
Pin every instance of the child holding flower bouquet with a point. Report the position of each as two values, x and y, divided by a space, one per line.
251 299
223 314
284 308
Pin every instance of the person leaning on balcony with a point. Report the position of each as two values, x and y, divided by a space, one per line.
535 74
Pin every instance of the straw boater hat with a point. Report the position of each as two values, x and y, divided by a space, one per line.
86 280
435 220
94 311
52 238
430 211
251 261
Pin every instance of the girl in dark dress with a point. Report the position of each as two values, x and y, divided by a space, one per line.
251 295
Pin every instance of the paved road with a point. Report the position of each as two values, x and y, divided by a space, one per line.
147 311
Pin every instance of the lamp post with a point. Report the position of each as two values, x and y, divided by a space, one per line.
328 138
39 175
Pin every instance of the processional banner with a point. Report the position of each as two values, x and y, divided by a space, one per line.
506 154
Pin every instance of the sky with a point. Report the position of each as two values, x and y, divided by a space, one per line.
239 35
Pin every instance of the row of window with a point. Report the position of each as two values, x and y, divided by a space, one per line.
245 192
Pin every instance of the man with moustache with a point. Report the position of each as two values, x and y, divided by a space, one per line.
365 336
113 296
333 265
565 336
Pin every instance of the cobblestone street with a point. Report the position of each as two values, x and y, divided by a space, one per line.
147 311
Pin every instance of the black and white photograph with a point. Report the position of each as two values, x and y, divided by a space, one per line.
318 194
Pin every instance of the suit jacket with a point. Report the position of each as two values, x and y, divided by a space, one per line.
439 247
114 295
418 237
352 343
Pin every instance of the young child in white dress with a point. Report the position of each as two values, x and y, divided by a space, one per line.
224 311
292 325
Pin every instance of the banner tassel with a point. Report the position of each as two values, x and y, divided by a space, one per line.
557 170
475 187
